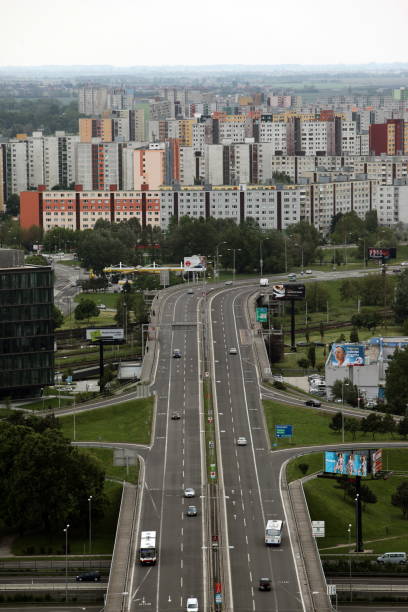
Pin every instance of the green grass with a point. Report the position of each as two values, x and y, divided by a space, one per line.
104 318
69 262
105 457
310 427
48 404
103 532
109 299
5 412
211 456
126 422
314 461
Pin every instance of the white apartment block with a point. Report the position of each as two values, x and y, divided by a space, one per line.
274 132
92 100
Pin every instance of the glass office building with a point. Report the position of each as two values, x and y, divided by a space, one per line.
26 330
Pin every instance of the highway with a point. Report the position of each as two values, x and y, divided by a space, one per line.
250 474
174 462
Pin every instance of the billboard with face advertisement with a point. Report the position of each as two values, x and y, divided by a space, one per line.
347 355
382 253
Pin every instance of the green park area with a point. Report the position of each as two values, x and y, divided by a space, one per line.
384 526
127 422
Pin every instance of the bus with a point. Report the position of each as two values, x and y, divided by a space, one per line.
273 533
148 551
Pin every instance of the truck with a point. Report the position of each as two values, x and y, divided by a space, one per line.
264 282
273 532
147 550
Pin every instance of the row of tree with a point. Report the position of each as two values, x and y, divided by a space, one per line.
372 424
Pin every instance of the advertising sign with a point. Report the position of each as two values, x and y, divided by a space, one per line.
382 253
107 335
283 431
347 355
350 463
195 262
262 315
376 461
288 292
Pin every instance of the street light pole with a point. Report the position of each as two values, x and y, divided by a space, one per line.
217 257
349 541
66 562
260 257
90 523
233 257
343 383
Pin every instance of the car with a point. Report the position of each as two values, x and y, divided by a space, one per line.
228 283
309 272
404 263
101 306
176 354
278 378
175 416
393 557
264 584
313 402
89 577
189 492
190 292
396 271
77 267
233 350
192 604
242 441
191 511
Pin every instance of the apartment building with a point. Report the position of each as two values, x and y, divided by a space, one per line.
92 100
98 165
390 138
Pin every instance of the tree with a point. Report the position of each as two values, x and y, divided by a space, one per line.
402 427
370 319
86 309
303 467
303 363
387 424
36 260
57 317
281 177
396 382
336 423
316 296
401 298
311 355
371 221
321 330
400 498
352 425
371 424
13 205
354 335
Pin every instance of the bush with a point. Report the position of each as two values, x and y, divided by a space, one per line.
279 385
303 363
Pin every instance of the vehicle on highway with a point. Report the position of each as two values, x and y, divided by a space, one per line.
264 584
192 604
189 492
393 557
175 416
292 276
147 550
77 267
404 263
309 272
89 577
396 270
228 283
242 441
190 292
273 532
176 354
264 282
313 402
233 350
191 511
101 306
278 378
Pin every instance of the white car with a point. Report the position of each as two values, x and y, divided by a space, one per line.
404 263
192 604
242 441
308 272
189 492
233 350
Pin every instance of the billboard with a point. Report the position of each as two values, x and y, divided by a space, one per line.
353 463
288 292
347 355
382 253
195 262
113 334
350 463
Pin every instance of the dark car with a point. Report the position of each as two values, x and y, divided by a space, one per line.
265 584
191 511
89 577
313 402
176 354
175 416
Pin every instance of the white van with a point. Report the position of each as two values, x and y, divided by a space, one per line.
264 282
393 557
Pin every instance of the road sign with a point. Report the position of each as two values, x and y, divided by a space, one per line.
318 529
283 431
262 315
331 589
218 598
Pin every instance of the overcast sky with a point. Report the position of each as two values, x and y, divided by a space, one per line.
162 32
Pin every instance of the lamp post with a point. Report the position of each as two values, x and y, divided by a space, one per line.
349 542
66 561
302 255
90 523
233 258
260 254
343 384
217 257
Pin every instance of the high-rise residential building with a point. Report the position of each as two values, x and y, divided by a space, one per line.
96 128
26 326
92 100
390 138
98 165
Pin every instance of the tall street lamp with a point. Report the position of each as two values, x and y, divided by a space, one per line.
217 257
302 254
66 562
260 254
344 383
90 523
349 541
233 257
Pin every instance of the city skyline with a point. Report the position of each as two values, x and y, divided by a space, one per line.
88 34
